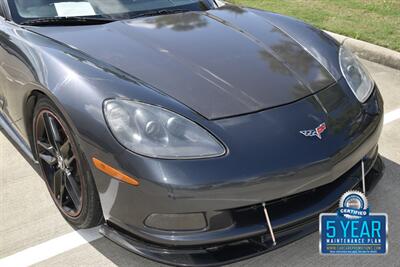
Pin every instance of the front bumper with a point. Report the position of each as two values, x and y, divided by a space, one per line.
292 218
268 161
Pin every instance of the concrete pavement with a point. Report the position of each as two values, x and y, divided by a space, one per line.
30 223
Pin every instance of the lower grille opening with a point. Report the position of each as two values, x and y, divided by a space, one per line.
304 207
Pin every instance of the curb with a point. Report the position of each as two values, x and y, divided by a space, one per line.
369 51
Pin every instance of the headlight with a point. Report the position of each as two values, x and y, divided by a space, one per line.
156 132
355 74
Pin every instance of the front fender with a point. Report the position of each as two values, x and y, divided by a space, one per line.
76 83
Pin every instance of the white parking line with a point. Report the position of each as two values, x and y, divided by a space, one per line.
392 116
50 248
75 239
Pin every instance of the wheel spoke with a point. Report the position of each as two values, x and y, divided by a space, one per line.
69 161
57 184
73 190
45 146
48 159
64 149
51 130
62 189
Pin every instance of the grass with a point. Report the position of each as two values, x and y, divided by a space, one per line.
374 21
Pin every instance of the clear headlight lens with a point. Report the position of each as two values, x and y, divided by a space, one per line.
355 74
156 132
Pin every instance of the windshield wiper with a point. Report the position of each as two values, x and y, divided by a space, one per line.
67 21
159 12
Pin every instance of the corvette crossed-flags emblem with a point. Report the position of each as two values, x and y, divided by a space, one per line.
315 132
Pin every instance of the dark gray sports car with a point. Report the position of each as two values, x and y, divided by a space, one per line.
196 132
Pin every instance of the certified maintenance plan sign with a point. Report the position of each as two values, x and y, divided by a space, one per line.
353 230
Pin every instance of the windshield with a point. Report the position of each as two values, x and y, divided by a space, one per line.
25 10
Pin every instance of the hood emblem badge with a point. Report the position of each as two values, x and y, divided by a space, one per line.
315 132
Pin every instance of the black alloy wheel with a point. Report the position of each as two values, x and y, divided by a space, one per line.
67 175
57 158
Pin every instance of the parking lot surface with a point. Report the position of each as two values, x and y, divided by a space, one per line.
32 232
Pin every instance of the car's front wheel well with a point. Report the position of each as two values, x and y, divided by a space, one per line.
79 202
29 108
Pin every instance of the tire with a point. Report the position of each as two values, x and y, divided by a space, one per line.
64 168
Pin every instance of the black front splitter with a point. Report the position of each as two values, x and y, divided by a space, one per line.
213 255
225 253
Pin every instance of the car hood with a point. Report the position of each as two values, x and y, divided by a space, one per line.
220 63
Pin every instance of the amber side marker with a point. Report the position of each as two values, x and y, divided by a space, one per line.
114 173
